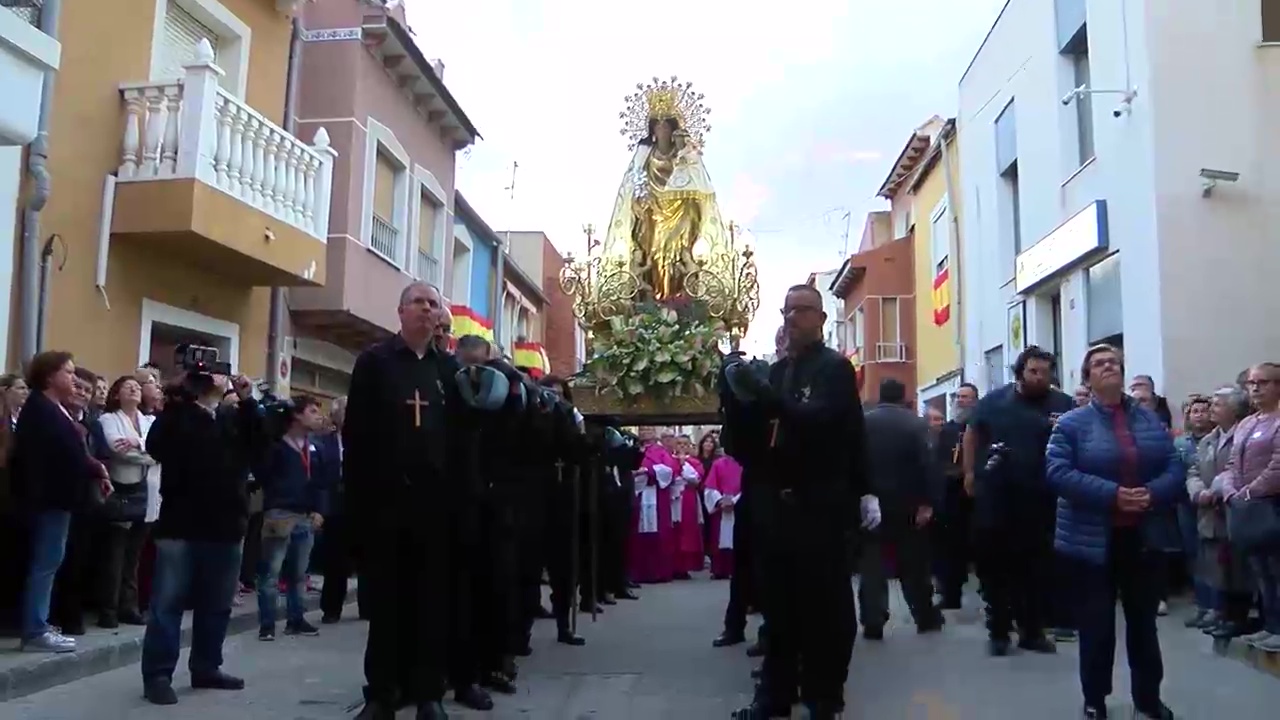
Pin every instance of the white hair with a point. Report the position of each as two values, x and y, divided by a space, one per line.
1235 398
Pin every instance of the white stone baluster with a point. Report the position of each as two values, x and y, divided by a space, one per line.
310 166
269 169
133 109
276 205
324 183
289 160
153 134
169 144
299 182
198 128
260 132
222 156
235 162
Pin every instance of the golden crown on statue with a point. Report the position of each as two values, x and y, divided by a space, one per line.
663 100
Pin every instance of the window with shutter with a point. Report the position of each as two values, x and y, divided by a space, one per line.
940 238
182 32
384 188
427 225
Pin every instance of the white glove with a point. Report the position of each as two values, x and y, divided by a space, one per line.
870 512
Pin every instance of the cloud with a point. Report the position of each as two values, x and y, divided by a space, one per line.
743 199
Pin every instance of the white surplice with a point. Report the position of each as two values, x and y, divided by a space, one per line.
649 497
711 498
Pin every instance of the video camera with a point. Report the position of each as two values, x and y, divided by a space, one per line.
200 360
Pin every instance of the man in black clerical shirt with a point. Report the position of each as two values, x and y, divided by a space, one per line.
404 434
1014 506
954 528
810 502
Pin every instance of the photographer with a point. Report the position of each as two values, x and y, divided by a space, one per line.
206 451
295 483
1004 466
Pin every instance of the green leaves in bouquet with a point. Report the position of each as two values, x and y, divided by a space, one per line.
660 350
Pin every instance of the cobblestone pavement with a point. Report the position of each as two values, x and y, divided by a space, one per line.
652 660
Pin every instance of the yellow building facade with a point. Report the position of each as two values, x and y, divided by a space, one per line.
178 199
937 214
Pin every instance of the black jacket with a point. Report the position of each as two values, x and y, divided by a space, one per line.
204 469
900 462
52 468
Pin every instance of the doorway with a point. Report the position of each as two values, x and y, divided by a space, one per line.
1055 307
165 327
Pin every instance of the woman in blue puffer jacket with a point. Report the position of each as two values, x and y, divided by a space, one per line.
1118 479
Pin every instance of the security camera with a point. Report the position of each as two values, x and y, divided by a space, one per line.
1066 99
1219 175
1118 112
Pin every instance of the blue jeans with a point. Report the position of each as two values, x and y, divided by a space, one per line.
48 545
1266 573
203 575
1188 525
283 555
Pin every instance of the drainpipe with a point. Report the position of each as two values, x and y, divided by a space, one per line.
279 300
953 252
30 298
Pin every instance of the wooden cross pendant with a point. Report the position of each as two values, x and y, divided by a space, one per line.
418 403
773 434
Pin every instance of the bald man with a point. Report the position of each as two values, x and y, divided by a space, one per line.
444 331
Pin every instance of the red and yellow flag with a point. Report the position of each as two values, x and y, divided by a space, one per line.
468 322
942 297
533 356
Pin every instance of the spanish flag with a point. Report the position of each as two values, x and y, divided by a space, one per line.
468 322
942 297
533 356
858 370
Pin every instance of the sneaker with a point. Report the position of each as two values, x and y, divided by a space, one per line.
1094 712
49 642
1160 712
1269 645
302 627
1067 635
1162 609
267 634
1254 639
1198 618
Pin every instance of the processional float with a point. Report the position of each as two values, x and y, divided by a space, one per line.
670 283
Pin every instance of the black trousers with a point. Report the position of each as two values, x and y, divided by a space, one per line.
412 593
1131 576
742 584
560 558
614 527
953 542
808 599
494 578
1015 566
912 553
74 582
531 556
118 578
252 551
337 564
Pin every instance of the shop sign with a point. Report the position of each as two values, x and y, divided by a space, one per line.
1084 233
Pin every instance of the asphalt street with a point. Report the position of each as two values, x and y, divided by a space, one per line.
653 659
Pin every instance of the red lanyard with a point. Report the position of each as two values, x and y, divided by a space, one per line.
305 453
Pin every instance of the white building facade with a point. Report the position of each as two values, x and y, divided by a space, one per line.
1095 216
26 54
833 333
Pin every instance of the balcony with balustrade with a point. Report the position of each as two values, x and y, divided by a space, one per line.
206 178
26 55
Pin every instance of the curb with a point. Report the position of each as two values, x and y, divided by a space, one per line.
1263 662
54 670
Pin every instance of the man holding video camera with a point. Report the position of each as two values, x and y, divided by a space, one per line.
205 450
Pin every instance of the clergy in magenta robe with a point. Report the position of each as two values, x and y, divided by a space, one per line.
686 518
721 492
653 538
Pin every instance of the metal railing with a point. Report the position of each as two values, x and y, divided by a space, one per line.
28 10
891 352
428 268
384 239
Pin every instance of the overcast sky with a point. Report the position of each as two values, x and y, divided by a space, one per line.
811 100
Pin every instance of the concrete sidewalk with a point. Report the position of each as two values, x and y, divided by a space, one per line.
99 651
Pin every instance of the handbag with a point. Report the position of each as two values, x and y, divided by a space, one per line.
1252 524
126 503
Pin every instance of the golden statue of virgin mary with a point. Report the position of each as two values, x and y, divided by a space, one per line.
666 224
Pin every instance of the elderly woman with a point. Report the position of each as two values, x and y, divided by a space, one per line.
1253 476
1118 478
1195 426
1216 565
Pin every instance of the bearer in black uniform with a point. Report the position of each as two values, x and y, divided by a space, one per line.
621 459
810 502
568 444
494 389
404 426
